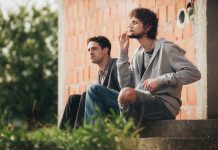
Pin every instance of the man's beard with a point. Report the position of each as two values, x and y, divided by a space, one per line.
136 36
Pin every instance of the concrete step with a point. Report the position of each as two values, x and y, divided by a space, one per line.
171 144
181 128
178 144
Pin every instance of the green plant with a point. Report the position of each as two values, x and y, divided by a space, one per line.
28 65
108 133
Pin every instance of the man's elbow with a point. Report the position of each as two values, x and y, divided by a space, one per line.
197 76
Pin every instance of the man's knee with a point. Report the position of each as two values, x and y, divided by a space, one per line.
127 95
93 88
73 99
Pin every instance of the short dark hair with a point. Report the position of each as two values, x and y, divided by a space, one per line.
149 18
102 41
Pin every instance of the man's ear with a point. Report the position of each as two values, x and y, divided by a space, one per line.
147 28
105 50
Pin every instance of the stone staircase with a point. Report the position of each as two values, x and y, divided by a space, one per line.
179 135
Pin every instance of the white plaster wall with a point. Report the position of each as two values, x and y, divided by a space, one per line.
61 69
200 36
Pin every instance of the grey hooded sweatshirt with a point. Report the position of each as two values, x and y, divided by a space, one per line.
167 64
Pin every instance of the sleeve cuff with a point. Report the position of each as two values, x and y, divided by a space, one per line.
161 80
124 55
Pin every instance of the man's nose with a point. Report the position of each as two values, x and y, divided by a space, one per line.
130 26
90 52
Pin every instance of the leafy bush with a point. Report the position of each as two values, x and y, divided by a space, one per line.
28 65
111 133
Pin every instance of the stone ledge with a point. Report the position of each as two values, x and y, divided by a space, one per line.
181 128
178 144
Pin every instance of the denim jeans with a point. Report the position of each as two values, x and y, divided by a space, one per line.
103 98
146 107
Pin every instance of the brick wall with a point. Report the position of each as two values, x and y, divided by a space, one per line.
86 18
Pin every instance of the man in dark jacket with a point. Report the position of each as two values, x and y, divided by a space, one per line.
99 49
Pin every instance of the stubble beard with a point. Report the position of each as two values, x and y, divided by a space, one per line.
137 36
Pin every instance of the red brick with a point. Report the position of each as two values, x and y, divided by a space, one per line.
71 91
167 2
85 8
191 94
81 9
160 33
121 11
116 30
143 3
180 43
75 76
84 42
93 72
162 14
83 24
106 15
77 26
66 44
193 113
80 75
110 32
124 26
188 30
86 73
91 33
113 13
88 22
92 6
189 113
160 2
178 34
180 4
190 49
169 35
183 114
76 60
76 90
171 12
80 42
66 79
81 58
151 3
82 88
70 62
184 96
75 12
103 30
67 2
66 95
100 17
95 19
178 117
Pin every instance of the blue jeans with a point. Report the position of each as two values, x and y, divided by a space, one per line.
101 97
146 107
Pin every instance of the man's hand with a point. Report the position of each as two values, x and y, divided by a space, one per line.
150 85
124 42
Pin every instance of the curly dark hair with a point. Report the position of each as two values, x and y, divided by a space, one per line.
102 41
149 18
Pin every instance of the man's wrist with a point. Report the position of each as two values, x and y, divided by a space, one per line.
123 54
160 80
